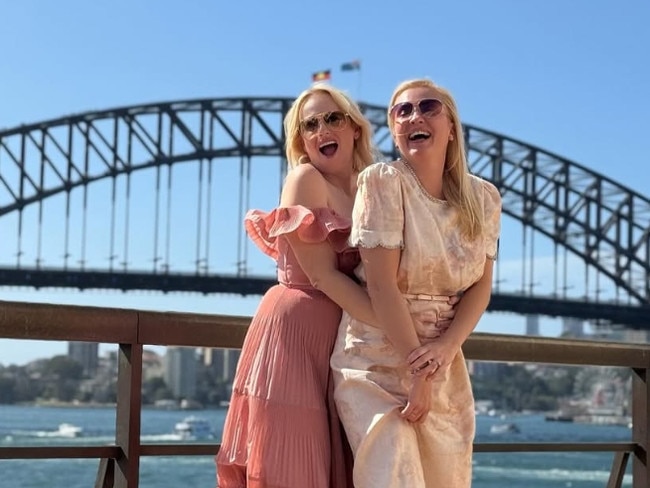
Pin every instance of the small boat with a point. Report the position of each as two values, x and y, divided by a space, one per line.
68 430
506 428
558 417
193 428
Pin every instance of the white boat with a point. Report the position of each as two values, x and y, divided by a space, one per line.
68 430
504 428
193 428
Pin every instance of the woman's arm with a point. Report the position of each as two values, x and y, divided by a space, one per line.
470 309
306 186
381 265
428 358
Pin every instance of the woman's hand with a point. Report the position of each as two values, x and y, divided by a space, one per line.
419 401
426 360
446 315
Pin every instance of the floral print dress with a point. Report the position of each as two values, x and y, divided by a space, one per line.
393 210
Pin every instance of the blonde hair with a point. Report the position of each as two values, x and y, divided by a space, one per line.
364 152
456 182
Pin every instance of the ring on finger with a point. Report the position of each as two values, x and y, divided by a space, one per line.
425 365
430 362
433 361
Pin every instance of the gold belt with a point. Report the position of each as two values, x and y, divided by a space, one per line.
429 298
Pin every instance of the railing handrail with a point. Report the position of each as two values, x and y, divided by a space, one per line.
54 322
132 329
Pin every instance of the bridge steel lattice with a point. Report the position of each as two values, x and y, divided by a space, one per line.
73 187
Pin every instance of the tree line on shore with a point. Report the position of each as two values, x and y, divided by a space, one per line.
509 387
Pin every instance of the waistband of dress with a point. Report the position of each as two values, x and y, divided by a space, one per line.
426 298
418 296
299 286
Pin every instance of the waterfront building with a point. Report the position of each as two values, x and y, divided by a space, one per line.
86 354
181 371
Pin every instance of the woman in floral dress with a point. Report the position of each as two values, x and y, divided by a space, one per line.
426 229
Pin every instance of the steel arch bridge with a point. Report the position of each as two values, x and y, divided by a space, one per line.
151 197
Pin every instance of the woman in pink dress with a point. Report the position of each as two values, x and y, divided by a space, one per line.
282 430
425 229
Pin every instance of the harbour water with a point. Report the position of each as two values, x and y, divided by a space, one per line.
34 426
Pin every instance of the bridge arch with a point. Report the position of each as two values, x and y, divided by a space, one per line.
588 214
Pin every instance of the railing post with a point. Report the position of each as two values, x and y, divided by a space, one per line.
129 403
640 433
618 470
105 474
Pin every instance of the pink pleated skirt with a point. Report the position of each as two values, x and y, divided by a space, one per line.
282 429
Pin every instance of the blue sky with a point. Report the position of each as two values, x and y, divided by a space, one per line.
571 77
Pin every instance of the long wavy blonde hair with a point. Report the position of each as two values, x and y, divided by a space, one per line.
456 184
364 152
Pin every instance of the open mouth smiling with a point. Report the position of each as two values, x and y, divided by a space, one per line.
328 148
419 135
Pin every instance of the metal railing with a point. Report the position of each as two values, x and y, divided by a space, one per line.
119 464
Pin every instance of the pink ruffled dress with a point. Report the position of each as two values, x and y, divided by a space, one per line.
282 429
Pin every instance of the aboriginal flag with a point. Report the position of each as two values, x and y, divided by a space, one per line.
321 75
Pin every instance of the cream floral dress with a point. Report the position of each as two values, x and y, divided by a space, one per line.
393 210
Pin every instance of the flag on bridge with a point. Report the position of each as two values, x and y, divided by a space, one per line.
354 65
321 75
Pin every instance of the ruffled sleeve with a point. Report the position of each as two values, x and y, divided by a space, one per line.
312 225
378 215
492 215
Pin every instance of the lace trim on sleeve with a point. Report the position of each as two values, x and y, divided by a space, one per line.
370 240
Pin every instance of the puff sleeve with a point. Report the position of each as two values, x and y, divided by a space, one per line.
312 226
378 214
492 216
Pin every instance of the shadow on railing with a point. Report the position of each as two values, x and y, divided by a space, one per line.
119 464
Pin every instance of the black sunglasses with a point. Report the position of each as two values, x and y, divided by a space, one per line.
332 120
428 107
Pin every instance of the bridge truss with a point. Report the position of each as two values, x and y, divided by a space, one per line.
152 197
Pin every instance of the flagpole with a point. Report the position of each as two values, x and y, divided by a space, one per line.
354 65
359 85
